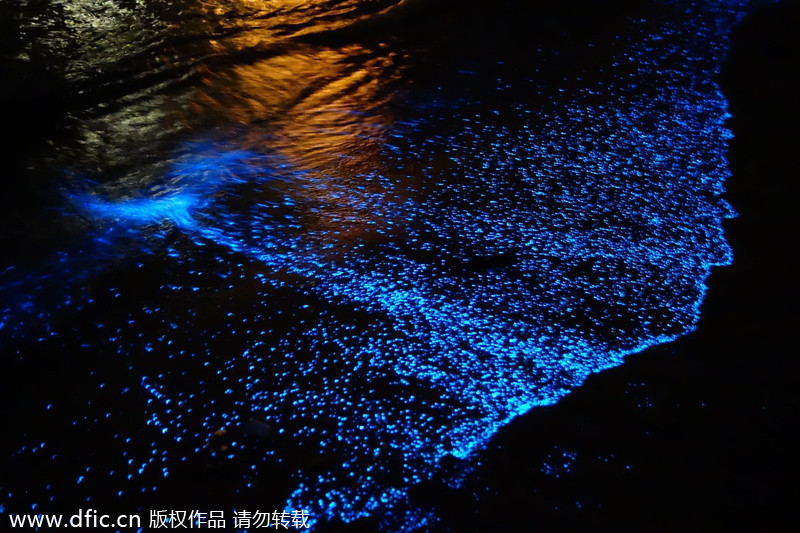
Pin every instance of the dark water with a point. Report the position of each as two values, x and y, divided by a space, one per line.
314 254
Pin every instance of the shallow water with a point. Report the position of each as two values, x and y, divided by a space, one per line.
372 245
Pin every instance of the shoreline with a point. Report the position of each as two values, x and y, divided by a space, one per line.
698 431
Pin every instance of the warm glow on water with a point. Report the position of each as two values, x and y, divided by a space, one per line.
326 113
276 20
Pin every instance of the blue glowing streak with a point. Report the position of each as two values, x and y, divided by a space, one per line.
174 208
194 179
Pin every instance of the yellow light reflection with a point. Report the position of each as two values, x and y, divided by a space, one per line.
326 112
